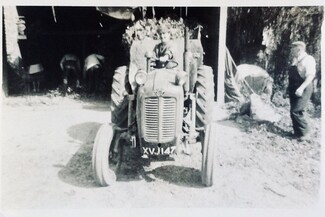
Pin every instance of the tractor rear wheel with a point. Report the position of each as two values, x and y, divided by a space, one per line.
204 115
102 163
119 101
208 154
205 96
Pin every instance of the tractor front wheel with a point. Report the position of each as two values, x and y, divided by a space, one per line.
104 172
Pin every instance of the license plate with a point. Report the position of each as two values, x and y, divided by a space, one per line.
158 151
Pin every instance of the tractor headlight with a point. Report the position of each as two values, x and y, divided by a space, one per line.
141 77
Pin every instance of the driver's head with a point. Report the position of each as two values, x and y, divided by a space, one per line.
164 32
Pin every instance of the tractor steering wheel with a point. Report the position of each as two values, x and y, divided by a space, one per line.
173 64
170 64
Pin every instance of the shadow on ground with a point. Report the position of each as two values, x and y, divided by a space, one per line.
246 124
78 170
179 175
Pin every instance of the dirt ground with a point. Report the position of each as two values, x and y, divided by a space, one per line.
46 146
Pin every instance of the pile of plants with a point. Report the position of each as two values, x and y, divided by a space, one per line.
147 28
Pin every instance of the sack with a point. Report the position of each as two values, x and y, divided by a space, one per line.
261 110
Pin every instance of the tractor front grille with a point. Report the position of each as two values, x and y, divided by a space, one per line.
159 119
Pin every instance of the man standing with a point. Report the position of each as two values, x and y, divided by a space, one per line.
301 75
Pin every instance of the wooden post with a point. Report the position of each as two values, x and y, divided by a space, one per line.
222 56
5 67
9 42
322 53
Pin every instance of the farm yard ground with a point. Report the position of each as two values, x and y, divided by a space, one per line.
47 140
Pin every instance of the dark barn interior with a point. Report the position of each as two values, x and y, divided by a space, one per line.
84 30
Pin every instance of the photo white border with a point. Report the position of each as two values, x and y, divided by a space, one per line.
318 210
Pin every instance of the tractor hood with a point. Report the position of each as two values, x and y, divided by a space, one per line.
160 103
161 81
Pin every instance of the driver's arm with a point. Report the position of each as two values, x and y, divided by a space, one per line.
168 52
164 58
163 52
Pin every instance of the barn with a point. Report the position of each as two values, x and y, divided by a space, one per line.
50 32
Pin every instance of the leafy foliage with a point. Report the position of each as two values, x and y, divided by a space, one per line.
147 28
289 24
274 29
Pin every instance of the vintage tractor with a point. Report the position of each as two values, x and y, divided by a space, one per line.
156 112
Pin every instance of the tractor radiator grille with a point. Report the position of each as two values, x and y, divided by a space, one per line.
159 119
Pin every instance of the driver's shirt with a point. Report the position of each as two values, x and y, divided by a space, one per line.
163 49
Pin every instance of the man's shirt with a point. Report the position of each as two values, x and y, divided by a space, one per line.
92 60
306 65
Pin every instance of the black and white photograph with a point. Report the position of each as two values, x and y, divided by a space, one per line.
212 108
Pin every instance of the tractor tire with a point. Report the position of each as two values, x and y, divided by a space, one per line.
205 96
208 155
103 170
119 101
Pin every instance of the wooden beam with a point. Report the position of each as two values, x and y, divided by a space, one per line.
222 56
77 32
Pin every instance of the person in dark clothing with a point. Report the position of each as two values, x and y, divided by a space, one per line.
70 65
93 72
301 74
